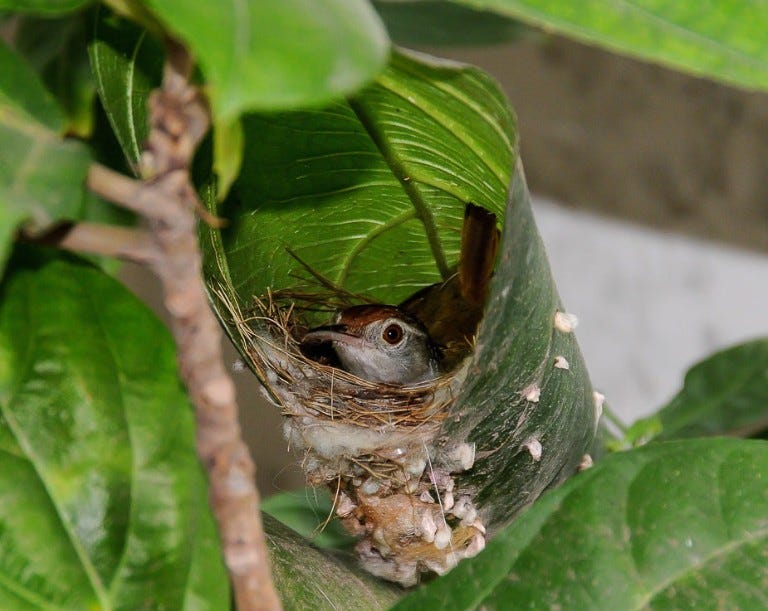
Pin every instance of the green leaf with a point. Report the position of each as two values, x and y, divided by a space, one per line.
516 351
436 22
42 176
23 94
383 177
726 394
102 500
307 578
273 54
677 525
56 48
309 512
720 40
371 194
49 8
127 63
228 154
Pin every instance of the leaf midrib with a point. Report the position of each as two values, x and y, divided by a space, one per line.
396 166
26 594
529 12
690 569
118 383
703 404
395 221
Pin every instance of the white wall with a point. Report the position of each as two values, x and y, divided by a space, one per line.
649 304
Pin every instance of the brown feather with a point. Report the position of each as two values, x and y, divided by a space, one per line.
452 310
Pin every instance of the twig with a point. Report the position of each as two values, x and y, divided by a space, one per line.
110 241
168 202
614 419
118 188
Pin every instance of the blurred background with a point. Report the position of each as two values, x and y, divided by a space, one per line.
651 194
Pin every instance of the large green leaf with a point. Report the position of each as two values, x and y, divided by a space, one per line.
371 194
127 63
383 177
436 22
716 39
519 350
43 7
726 394
103 502
272 54
308 578
42 176
23 97
678 525
56 49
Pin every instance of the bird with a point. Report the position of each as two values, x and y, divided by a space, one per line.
425 336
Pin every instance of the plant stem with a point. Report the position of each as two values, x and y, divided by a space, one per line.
109 241
168 202
611 417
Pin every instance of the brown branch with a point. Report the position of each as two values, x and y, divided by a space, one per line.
168 202
118 188
110 241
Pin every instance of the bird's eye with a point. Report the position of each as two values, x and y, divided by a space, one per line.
393 334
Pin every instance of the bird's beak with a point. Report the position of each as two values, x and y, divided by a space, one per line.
328 334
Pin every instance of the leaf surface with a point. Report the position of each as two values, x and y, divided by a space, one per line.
422 23
48 8
274 54
673 525
726 394
371 194
56 48
102 499
383 177
307 511
308 578
719 40
42 176
127 63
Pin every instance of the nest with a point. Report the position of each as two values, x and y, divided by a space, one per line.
371 443
271 331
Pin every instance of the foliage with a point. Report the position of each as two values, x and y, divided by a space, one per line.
335 127
102 439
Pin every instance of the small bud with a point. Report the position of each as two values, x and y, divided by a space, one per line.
370 486
428 527
476 546
531 393
426 497
586 462
465 455
448 501
461 507
478 525
345 507
442 536
534 449
471 516
599 399
565 322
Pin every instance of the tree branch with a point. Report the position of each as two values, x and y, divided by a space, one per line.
118 188
168 202
110 241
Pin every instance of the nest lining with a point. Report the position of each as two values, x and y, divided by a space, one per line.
271 331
